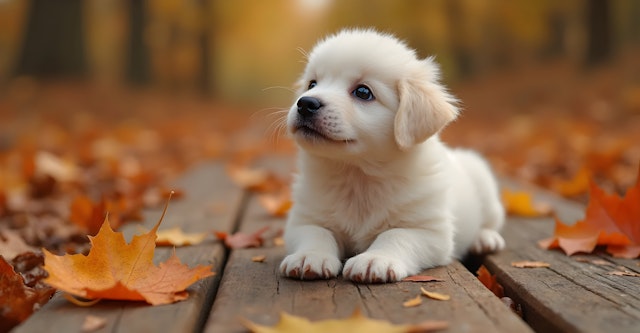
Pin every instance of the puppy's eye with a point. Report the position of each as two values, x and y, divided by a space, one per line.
312 84
363 92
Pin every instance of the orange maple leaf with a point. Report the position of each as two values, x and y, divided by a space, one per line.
115 269
490 281
609 220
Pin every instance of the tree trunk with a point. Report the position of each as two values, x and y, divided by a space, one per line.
53 45
598 32
205 81
138 53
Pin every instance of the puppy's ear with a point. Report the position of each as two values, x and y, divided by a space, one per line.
425 108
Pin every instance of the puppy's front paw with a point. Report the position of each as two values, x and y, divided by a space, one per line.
488 241
371 268
310 266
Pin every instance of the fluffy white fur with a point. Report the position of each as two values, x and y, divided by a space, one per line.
375 184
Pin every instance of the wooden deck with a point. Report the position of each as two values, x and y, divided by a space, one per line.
569 296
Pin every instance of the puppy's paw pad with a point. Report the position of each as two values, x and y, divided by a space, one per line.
370 268
310 266
488 241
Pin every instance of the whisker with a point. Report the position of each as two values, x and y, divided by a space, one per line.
280 87
302 51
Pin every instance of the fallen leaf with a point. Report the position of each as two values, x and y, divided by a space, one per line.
240 240
422 278
117 270
12 244
259 258
277 204
278 241
577 185
624 273
357 323
529 264
435 295
579 237
490 281
93 323
51 165
413 302
88 214
18 300
521 203
254 179
176 237
609 220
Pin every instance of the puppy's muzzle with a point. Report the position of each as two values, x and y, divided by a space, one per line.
308 107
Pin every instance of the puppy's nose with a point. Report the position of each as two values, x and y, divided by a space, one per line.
308 106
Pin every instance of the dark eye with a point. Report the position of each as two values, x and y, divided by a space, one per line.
312 84
363 92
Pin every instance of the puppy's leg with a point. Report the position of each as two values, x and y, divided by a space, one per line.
489 239
314 253
398 253
493 215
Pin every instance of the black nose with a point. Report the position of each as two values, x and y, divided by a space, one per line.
308 106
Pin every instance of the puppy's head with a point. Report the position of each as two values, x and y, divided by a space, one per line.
366 94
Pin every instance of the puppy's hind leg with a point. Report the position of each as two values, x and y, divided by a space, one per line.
493 215
489 239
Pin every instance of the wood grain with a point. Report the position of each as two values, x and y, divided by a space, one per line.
257 292
211 202
575 294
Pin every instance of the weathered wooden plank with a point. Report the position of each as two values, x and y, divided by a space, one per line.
574 294
211 202
257 292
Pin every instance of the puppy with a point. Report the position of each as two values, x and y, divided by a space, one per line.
375 184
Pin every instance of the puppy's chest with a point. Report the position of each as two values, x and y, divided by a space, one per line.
358 206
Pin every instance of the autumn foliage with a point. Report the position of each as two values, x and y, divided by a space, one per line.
610 221
115 269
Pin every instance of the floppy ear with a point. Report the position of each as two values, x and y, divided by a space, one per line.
425 108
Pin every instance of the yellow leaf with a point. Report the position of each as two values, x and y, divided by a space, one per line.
521 204
413 302
357 323
435 295
176 237
259 258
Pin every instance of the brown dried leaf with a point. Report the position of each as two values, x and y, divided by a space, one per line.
240 240
529 264
18 300
624 273
12 244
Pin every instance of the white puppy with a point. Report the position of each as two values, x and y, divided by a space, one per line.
375 183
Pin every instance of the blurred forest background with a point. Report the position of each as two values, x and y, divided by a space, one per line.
234 49
550 89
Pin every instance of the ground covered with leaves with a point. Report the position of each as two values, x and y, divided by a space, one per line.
71 152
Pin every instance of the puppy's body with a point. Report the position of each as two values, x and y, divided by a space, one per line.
375 184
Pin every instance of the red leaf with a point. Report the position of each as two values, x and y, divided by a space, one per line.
240 240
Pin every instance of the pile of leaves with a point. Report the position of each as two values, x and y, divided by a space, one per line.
70 154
